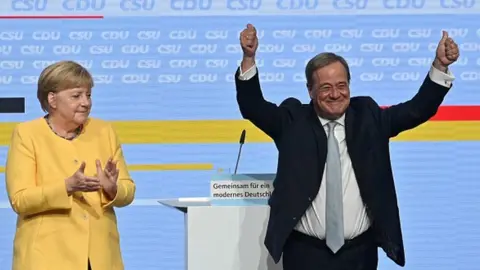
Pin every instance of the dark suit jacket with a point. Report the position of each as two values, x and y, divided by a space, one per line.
302 145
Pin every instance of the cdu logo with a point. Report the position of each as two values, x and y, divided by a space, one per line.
6 80
318 33
203 48
203 78
115 35
66 49
406 76
181 63
405 47
190 4
46 35
84 5
337 47
298 4
136 78
115 64
5 49
404 4
386 62
135 49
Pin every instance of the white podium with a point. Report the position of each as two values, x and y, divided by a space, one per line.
224 237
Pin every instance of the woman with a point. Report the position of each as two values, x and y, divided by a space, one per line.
56 184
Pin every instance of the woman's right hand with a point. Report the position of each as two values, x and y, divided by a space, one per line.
80 182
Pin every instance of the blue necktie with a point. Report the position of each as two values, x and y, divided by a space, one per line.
334 195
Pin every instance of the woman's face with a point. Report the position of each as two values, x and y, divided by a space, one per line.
73 105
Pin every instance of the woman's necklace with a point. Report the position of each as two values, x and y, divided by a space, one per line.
76 132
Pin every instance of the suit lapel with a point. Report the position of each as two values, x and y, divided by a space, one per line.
320 140
350 130
357 147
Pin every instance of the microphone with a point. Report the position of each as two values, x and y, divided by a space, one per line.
241 141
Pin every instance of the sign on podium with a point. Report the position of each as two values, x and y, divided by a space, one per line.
226 231
241 189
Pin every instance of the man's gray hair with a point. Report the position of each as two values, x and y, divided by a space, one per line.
321 60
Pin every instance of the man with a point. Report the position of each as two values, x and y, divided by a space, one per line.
334 201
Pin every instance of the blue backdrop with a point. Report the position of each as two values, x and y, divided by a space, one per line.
175 60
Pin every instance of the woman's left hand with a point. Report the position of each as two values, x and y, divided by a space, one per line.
108 177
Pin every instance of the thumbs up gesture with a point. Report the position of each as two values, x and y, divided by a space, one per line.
249 41
80 182
447 52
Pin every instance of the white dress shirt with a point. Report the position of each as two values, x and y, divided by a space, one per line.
355 216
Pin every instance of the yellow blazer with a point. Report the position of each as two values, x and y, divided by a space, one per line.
56 231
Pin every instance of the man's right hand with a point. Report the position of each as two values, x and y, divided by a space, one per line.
249 44
80 182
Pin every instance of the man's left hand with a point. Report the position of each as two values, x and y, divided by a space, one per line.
447 53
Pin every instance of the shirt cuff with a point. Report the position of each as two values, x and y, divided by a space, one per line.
250 73
441 78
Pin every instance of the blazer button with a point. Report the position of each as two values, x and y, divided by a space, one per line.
309 199
294 218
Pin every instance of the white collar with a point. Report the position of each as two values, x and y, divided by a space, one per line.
340 120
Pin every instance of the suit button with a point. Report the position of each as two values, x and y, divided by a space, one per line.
309 199
294 218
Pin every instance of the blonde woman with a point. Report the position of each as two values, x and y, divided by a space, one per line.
65 174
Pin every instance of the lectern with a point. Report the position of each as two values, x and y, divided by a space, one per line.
227 233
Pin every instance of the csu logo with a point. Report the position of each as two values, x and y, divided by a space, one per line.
29 5
457 3
244 4
137 5
350 4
